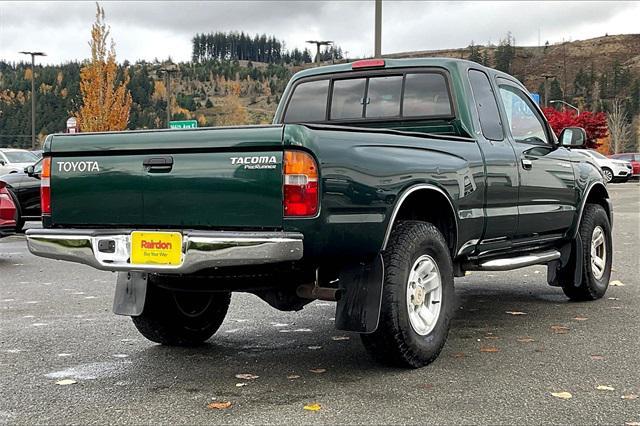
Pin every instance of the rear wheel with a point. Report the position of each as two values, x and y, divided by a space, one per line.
597 251
178 318
417 300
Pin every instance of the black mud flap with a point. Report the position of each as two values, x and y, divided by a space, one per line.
131 291
359 306
568 267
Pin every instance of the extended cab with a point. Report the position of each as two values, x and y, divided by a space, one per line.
378 182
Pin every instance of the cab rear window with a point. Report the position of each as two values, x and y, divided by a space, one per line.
408 95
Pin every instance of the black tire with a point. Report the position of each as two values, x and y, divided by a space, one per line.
396 342
19 219
608 174
177 318
591 287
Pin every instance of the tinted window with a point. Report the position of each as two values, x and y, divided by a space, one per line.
426 94
308 102
383 97
525 124
486 105
347 99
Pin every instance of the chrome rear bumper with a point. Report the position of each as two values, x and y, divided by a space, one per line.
200 249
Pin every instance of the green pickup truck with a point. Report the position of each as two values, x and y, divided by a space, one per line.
378 182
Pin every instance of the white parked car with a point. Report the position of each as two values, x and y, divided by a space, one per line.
15 160
611 169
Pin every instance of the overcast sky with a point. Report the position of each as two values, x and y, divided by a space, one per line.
154 29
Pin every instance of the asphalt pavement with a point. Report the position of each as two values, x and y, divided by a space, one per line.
515 342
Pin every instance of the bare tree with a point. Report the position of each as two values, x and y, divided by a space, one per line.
619 127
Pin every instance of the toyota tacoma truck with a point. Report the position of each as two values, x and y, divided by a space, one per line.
378 182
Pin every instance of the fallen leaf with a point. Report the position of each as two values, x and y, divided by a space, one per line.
562 395
525 339
632 424
313 407
597 357
318 370
239 385
426 386
516 313
337 338
581 318
489 349
631 396
560 329
492 337
605 387
458 355
219 405
314 348
613 298
616 283
66 382
246 376
293 376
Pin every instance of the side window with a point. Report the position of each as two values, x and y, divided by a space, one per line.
308 102
426 94
384 97
486 105
347 100
526 126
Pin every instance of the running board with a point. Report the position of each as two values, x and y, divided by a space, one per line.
508 263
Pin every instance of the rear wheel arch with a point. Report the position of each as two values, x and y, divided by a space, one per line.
427 203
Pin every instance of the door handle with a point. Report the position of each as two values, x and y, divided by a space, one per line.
527 164
162 164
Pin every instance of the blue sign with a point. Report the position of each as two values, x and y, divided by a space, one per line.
536 97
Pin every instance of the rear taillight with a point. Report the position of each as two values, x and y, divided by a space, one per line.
45 186
300 184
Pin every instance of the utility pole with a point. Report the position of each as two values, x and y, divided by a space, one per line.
168 69
33 95
378 30
319 43
546 88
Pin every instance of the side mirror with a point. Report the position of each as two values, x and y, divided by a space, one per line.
30 171
2 163
573 137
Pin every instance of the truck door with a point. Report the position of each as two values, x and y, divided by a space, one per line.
546 200
501 204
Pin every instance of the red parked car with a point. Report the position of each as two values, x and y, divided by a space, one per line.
7 212
633 158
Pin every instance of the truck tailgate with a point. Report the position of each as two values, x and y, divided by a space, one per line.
204 178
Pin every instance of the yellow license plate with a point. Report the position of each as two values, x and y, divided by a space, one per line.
156 248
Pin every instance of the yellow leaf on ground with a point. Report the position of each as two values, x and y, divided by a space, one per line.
516 313
632 424
219 405
293 376
616 283
318 370
526 339
581 318
562 395
66 382
489 349
631 396
560 329
313 407
458 355
605 387
246 376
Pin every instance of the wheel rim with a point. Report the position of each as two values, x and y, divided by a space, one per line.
424 295
608 175
598 252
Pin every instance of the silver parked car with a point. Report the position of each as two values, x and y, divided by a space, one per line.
15 160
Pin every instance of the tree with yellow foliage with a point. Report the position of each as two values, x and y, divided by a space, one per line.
105 102
235 113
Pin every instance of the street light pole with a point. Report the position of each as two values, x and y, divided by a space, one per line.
558 101
168 69
319 43
378 30
33 95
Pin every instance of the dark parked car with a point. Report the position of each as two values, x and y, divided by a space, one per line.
24 188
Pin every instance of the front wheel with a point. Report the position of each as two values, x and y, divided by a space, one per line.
597 255
178 318
417 299
608 175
